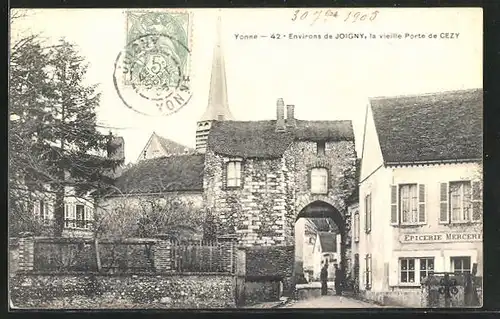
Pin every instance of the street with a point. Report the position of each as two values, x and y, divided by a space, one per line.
331 302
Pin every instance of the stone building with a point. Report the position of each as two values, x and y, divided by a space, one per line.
256 178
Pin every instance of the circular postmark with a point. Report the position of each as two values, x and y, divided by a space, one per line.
150 75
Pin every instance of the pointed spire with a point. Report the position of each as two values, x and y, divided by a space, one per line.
218 108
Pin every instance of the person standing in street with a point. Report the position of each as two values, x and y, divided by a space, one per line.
324 279
338 280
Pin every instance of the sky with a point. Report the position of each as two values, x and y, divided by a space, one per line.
325 79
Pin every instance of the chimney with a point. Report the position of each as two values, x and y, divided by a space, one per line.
290 117
280 115
116 147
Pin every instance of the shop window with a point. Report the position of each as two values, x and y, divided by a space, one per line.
461 265
414 270
426 267
407 273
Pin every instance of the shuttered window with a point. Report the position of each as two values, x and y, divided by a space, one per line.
368 271
233 174
408 204
368 213
356 227
460 202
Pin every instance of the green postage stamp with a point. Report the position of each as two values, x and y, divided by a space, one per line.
152 72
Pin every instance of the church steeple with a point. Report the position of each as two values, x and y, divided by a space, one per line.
217 108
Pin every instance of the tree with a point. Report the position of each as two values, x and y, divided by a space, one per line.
53 139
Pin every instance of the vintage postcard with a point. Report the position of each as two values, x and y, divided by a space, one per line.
245 158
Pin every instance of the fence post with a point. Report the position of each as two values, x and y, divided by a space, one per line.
26 251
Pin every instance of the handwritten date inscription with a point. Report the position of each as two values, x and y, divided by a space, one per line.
325 15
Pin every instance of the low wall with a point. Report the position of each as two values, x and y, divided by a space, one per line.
93 291
263 263
262 291
397 298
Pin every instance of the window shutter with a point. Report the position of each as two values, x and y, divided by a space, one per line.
394 204
242 173
443 213
477 201
224 175
421 203
369 212
393 272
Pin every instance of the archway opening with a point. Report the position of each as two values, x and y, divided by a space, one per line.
320 236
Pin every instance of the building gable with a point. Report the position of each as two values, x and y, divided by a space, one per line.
158 146
371 156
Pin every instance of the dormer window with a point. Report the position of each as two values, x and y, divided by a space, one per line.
233 174
319 180
320 148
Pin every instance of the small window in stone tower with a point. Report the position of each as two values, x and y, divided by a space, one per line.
319 180
320 148
234 174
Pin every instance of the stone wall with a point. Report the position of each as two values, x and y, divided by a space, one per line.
264 209
87 291
267 266
262 291
255 212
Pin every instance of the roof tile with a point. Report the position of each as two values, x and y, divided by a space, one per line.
259 139
164 174
430 127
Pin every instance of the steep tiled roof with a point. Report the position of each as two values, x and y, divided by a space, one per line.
170 146
328 242
258 139
431 127
164 174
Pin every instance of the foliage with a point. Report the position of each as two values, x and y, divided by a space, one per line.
53 138
147 216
